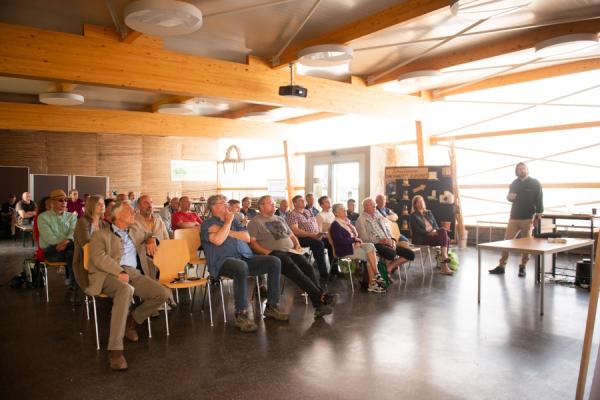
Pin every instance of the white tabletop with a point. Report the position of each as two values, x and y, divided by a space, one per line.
535 245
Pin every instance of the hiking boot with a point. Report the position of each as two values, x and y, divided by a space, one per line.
499 270
131 330
522 272
379 279
117 360
375 287
329 299
322 310
243 322
274 312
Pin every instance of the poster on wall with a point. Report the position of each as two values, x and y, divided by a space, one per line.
434 183
194 171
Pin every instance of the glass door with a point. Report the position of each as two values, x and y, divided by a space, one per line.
320 181
341 177
345 181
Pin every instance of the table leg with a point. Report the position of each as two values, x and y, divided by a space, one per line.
478 275
542 283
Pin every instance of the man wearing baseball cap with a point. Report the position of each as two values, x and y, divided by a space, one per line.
57 226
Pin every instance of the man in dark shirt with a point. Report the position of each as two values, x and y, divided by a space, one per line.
526 196
351 211
26 210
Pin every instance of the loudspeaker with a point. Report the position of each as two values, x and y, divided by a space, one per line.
583 273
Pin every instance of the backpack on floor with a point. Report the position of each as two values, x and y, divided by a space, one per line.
382 268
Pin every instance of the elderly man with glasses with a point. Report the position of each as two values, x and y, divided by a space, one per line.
57 227
225 242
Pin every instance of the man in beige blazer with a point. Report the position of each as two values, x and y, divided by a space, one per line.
119 267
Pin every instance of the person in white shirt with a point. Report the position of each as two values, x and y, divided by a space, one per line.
325 218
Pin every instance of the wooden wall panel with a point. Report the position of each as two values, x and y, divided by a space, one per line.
120 158
27 149
199 150
156 166
71 154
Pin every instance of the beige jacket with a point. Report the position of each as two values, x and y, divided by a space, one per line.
106 251
159 230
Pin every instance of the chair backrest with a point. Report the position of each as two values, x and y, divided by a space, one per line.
330 239
170 258
395 230
86 256
192 238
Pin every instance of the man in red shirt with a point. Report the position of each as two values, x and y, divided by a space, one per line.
185 218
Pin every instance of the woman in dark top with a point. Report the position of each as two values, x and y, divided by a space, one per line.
425 231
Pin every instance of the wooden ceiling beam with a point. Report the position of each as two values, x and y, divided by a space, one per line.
168 100
521 41
521 77
309 117
38 117
406 11
252 108
40 54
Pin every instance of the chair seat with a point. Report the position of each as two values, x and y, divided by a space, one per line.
25 228
197 260
185 285
55 263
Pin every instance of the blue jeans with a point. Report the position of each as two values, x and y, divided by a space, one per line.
67 256
240 269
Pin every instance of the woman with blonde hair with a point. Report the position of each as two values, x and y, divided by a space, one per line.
425 231
92 221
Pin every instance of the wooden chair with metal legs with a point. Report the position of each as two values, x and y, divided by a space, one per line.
192 237
352 260
396 234
171 257
53 264
86 260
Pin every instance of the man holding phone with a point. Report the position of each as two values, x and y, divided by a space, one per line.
527 200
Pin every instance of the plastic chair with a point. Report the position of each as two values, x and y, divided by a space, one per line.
170 258
86 261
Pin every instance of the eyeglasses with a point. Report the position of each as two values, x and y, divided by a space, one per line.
61 200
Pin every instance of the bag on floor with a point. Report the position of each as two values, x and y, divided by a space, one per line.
453 264
17 282
346 266
382 268
363 272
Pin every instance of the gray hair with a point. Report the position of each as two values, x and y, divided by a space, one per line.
262 199
336 207
212 200
367 200
117 208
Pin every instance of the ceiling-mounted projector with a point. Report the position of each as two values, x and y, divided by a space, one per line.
292 90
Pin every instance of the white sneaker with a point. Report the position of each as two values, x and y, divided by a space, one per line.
374 287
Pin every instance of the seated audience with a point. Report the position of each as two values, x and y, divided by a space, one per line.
57 227
283 209
166 213
372 227
347 243
108 205
225 243
381 201
352 214
121 197
119 267
92 221
248 212
75 204
26 209
235 208
9 214
325 217
149 222
304 225
184 218
132 199
270 235
310 204
425 231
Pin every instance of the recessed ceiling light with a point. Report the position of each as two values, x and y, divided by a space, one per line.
163 17
482 9
325 55
421 78
177 109
61 99
566 44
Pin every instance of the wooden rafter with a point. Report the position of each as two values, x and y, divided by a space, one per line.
252 108
403 12
309 117
37 117
517 42
40 54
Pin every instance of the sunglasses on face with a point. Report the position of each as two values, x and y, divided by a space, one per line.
61 200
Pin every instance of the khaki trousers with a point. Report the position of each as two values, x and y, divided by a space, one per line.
516 227
152 293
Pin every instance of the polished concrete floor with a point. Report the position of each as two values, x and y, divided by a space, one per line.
425 339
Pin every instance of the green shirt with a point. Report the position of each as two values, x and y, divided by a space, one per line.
55 228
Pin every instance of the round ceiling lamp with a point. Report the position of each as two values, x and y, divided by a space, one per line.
325 55
566 44
61 99
163 17
421 79
177 109
482 9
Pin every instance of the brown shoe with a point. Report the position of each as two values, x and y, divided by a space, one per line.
130 330
117 360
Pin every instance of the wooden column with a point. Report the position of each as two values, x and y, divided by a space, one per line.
460 226
288 178
420 143
589 327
